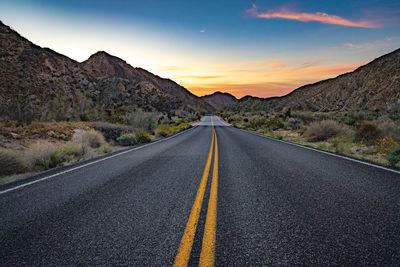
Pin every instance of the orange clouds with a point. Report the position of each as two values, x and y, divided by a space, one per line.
310 17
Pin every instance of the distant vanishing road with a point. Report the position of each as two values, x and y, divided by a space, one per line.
212 195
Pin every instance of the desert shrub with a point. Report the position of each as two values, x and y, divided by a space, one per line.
133 138
141 120
368 132
323 130
142 137
274 123
256 122
293 123
88 138
286 112
111 131
95 138
127 139
44 155
72 150
393 157
105 148
11 163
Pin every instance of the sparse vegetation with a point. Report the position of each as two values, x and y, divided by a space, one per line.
45 145
367 135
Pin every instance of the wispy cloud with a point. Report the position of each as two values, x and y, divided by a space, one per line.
202 31
321 17
373 45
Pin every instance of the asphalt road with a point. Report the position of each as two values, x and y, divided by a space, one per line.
227 199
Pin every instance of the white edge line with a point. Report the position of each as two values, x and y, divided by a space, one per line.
321 151
93 162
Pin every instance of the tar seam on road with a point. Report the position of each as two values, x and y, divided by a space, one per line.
91 163
323 152
207 254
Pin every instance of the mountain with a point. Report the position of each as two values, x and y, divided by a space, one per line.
373 86
220 100
163 94
40 84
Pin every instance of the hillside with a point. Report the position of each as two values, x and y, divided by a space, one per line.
220 100
40 84
373 86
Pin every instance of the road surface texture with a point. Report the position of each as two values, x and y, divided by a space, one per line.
212 195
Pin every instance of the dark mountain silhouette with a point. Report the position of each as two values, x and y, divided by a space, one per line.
220 100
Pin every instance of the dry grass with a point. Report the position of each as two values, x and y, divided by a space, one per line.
88 139
11 163
105 148
43 155
323 130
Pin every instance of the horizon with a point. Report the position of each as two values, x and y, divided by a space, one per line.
263 49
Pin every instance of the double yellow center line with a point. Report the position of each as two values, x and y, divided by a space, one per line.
207 254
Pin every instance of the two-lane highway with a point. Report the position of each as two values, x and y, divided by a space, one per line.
213 195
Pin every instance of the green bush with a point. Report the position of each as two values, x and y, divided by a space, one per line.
11 163
84 117
142 137
127 139
56 158
368 132
134 138
394 156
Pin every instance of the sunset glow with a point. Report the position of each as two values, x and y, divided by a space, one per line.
262 49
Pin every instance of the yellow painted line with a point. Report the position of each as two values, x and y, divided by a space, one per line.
185 248
207 255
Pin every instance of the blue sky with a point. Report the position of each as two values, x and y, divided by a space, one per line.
262 48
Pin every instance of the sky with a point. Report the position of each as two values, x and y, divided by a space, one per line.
260 48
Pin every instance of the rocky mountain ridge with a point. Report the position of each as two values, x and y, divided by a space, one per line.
40 84
374 86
